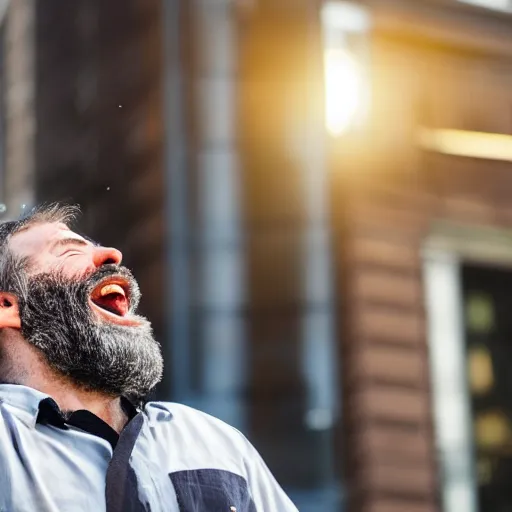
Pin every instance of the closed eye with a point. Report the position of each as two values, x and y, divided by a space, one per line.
70 245
71 252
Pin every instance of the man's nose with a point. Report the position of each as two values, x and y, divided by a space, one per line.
107 256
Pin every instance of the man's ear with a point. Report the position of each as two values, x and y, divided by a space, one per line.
9 311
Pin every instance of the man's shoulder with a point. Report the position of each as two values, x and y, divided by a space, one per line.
182 415
181 411
191 427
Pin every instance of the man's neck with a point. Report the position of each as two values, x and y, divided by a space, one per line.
23 364
70 398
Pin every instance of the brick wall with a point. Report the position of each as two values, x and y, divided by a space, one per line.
386 195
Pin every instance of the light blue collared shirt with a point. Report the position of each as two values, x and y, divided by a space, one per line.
169 458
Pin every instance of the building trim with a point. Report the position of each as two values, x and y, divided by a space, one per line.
479 244
447 23
450 397
489 146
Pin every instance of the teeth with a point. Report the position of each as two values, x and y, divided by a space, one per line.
112 288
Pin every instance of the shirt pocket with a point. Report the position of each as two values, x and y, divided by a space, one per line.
211 490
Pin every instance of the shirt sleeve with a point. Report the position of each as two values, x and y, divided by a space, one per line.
267 494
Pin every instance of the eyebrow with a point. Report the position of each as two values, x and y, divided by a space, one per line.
70 241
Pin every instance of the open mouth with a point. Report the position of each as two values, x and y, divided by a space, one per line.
112 296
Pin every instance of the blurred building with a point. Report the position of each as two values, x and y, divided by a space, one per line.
334 281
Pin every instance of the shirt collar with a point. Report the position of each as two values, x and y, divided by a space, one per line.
26 401
23 400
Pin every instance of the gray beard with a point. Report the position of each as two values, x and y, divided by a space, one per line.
95 355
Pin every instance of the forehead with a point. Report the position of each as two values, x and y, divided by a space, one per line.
39 238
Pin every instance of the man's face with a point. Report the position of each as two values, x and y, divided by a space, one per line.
79 311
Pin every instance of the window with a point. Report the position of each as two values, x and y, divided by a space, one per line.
468 283
488 332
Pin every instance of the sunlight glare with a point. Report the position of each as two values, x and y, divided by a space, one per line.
343 90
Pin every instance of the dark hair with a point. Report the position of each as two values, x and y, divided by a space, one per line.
10 266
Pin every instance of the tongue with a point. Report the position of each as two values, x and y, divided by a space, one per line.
114 302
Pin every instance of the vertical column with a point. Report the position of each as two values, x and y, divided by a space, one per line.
19 104
318 336
176 163
219 256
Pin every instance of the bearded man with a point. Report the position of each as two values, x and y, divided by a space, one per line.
76 366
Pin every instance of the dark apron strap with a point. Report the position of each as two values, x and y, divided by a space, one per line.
121 486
